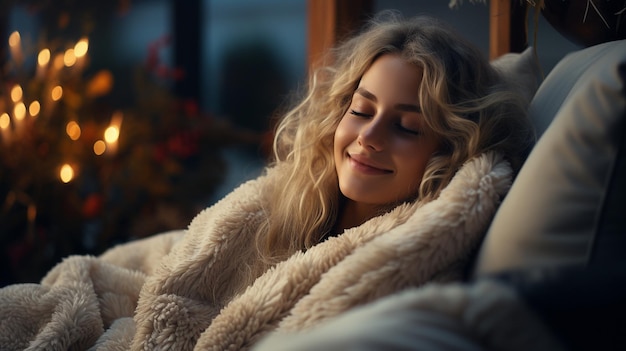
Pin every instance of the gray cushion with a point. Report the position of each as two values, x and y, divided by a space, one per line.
521 71
550 215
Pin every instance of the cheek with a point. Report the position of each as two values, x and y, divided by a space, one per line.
418 171
414 160
342 137
409 179
417 161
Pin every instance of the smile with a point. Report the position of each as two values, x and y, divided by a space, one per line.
363 165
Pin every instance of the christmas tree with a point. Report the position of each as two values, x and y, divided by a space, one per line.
80 172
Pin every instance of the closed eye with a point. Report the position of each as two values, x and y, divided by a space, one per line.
408 130
359 114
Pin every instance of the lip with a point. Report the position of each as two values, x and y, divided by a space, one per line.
365 165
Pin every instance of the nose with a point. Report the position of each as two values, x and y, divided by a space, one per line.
373 134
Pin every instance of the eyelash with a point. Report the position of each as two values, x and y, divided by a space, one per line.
359 114
399 126
409 131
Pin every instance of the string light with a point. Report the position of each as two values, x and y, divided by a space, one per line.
16 93
5 121
5 124
34 108
66 173
80 49
15 45
73 130
14 39
69 59
19 111
99 147
111 134
56 93
44 57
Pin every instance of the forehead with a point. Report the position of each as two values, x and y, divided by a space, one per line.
392 77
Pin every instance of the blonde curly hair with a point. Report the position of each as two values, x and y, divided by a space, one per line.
463 100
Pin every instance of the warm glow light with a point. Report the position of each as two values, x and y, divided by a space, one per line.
99 147
111 134
69 59
58 62
19 111
16 93
5 121
34 108
57 93
44 57
15 46
67 173
31 212
80 49
14 39
73 130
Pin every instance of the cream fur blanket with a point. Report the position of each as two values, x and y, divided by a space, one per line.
181 290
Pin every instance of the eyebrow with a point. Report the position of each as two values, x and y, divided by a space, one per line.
400 107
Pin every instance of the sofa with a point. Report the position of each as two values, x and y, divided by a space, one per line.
550 273
559 237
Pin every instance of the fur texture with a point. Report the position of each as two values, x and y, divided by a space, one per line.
182 289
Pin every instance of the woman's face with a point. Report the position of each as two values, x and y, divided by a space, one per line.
382 144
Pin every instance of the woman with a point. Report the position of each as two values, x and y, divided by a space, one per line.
385 176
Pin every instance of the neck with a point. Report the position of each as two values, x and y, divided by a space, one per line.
353 214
